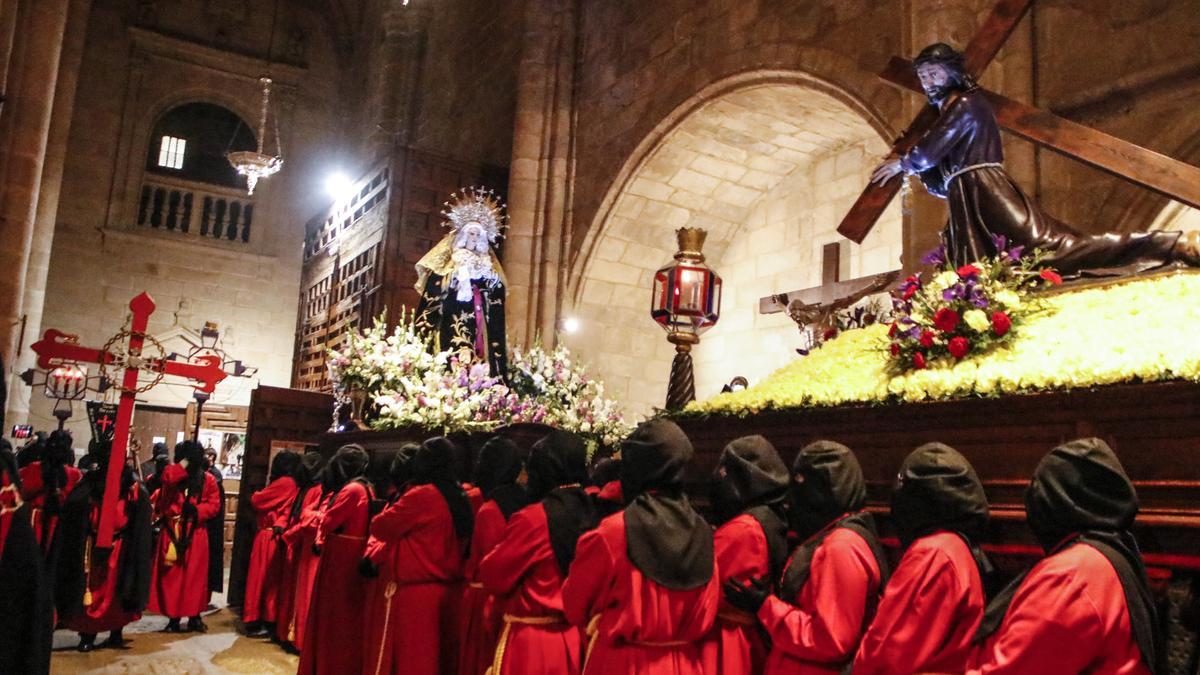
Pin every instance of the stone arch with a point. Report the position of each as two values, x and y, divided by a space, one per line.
767 162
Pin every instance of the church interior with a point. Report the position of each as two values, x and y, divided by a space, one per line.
220 215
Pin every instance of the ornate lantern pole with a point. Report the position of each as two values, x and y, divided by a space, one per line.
686 301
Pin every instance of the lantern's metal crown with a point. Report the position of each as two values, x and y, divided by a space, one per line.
476 205
691 241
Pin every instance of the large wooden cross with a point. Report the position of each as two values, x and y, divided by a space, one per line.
57 348
1169 177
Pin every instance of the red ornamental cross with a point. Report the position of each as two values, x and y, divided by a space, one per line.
57 348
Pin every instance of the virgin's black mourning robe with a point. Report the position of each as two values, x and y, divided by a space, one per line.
985 202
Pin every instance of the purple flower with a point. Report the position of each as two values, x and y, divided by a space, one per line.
935 257
1015 253
955 292
1000 242
913 333
978 298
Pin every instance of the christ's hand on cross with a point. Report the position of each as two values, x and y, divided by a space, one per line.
886 170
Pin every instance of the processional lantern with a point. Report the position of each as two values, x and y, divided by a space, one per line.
686 301
255 165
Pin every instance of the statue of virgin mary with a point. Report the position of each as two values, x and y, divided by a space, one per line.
461 282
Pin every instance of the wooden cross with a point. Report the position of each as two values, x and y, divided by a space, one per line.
1160 173
818 306
57 348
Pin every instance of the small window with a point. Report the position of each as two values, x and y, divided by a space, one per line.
170 152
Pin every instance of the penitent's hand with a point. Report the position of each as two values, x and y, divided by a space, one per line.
888 169
749 597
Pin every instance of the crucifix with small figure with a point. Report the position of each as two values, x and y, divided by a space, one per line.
817 307
57 348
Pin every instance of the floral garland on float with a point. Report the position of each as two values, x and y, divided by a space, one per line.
970 309
410 384
1139 329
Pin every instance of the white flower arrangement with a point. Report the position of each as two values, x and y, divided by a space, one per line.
449 391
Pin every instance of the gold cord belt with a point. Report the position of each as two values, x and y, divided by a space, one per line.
509 620
388 592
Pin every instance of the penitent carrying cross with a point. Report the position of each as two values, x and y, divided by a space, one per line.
57 348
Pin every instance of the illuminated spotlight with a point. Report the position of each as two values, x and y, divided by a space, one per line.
339 187
571 324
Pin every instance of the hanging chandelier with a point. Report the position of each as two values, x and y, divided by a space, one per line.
255 165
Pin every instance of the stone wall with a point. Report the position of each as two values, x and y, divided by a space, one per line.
766 164
134 69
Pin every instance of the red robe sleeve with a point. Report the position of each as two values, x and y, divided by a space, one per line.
347 503
1052 627
398 519
501 570
911 624
485 535
209 505
836 593
273 497
587 579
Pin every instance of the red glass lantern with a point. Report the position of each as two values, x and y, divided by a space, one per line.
685 301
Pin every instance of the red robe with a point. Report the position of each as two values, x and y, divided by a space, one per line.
735 645
105 613
523 574
335 618
1068 616
635 626
272 506
411 604
929 613
34 492
179 587
821 630
300 571
479 627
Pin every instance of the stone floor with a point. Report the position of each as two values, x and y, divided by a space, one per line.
150 652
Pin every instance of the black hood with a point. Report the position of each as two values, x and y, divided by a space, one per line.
499 463
400 473
433 464
749 473
605 471
827 482
937 489
193 452
665 538
1078 487
559 458
284 464
350 462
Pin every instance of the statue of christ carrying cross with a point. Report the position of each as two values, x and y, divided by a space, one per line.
960 160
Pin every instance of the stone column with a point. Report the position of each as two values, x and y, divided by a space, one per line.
539 203
955 22
402 57
32 76
47 206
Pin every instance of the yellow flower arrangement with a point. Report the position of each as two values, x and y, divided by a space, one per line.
1140 330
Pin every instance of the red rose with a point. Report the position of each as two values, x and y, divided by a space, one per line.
967 271
1051 276
892 330
830 334
926 338
1000 323
919 361
959 347
895 348
909 292
946 320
